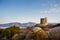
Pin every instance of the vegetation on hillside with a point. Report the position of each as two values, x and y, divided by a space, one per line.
8 33
15 33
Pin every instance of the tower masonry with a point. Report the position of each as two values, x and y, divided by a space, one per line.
44 21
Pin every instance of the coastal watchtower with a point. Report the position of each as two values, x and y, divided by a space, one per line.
43 21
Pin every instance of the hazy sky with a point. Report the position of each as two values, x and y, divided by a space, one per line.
29 10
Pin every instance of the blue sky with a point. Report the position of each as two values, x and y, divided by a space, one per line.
29 10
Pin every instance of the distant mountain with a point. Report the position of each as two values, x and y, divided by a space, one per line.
17 24
53 23
22 25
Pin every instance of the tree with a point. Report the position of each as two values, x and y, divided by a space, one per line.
14 30
11 31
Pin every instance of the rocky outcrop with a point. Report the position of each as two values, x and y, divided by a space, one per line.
54 33
36 34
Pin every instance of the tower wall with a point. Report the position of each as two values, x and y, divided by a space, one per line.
43 21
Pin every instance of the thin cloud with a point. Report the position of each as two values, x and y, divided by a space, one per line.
54 8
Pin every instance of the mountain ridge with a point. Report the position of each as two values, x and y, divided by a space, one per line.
21 24
18 24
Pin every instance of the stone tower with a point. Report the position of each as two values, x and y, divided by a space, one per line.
43 21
